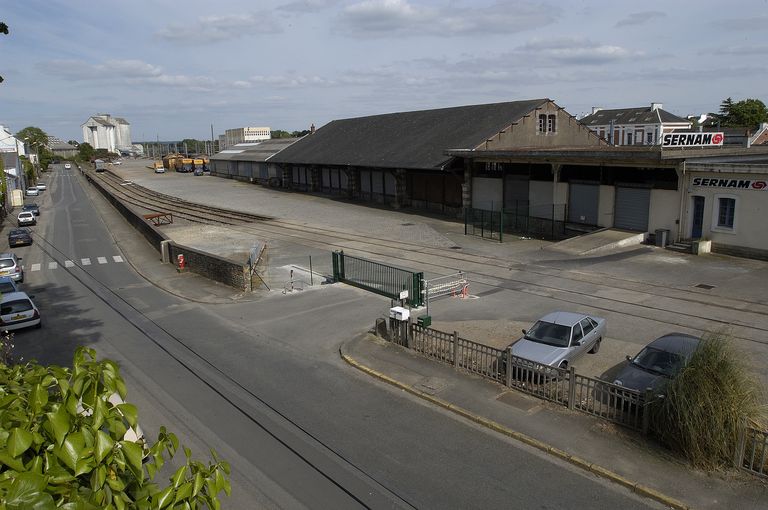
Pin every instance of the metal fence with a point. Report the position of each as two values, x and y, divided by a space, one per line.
562 386
544 221
376 277
752 451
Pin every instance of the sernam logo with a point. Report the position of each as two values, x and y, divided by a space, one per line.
714 182
692 139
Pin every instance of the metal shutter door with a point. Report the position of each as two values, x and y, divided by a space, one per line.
631 210
583 200
516 192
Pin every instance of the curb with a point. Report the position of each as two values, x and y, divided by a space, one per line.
595 469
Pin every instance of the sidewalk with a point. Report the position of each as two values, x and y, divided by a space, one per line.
589 443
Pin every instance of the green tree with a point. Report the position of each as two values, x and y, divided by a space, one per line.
85 151
279 133
299 134
68 445
749 113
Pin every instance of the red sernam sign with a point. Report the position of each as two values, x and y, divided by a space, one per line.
714 182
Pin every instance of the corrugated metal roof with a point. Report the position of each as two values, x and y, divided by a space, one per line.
255 152
416 139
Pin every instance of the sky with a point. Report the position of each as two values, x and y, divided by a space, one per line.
172 68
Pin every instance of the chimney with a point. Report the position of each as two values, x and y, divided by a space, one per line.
656 106
312 129
596 109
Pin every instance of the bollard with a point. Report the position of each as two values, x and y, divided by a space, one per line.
181 262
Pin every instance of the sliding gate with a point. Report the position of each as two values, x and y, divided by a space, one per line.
380 278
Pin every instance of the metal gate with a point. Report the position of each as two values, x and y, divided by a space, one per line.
583 201
379 278
631 210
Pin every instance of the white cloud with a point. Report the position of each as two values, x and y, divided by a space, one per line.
380 18
575 50
638 18
308 6
130 71
741 24
209 29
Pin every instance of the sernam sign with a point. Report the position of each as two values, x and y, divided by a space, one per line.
714 182
692 140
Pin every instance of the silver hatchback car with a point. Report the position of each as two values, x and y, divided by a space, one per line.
559 338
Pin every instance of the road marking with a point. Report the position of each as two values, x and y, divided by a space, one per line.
35 267
102 260
86 262
52 265
69 263
117 258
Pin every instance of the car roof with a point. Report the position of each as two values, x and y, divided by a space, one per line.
13 296
563 318
7 255
680 343
4 279
19 229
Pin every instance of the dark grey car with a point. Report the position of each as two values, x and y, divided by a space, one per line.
658 362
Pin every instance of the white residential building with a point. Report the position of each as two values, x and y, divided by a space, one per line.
634 126
103 131
246 134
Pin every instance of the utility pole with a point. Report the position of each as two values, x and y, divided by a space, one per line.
211 140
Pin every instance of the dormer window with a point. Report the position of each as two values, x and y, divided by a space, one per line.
547 123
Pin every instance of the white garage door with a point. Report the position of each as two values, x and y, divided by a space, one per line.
631 210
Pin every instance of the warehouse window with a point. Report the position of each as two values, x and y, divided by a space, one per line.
547 123
542 123
726 212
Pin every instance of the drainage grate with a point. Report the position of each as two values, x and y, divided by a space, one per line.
406 224
455 247
704 286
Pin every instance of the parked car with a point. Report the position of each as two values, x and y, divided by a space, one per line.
198 171
117 162
558 338
33 208
41 186
10 266
32 191
159 170
7 285
17 311
19 237
658 362
67 166
26 218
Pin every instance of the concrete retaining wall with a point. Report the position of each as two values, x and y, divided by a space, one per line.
220 269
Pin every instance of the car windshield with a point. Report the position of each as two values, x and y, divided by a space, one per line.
6 288
16 306
550 334
7 263
658 361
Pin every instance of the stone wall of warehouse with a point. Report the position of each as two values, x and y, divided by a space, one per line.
213 267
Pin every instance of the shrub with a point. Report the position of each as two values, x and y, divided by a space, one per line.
64 444
707 403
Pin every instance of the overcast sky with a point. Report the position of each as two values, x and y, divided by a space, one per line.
174 68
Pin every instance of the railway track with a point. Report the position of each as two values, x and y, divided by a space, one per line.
661 303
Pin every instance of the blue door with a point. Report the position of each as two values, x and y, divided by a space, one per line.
698 217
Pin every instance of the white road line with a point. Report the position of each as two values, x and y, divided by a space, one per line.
86 262
52 265
69 263
117 258
35 267
102 260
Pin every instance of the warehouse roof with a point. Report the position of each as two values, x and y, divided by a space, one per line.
254 151
405 140
641 115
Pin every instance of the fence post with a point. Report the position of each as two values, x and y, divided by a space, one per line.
501 225
571 387
738 457
553 222
455 349
482 223
508 367
341 264
466 213
335 260
647 396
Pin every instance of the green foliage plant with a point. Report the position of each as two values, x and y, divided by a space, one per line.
63 444
706 404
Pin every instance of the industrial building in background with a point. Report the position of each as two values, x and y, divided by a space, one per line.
102 131
245 135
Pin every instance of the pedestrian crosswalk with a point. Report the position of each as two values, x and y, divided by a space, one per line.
85 261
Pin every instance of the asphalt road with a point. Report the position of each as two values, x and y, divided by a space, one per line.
263 384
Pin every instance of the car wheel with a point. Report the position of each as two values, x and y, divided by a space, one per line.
39 325
596 347
564 365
